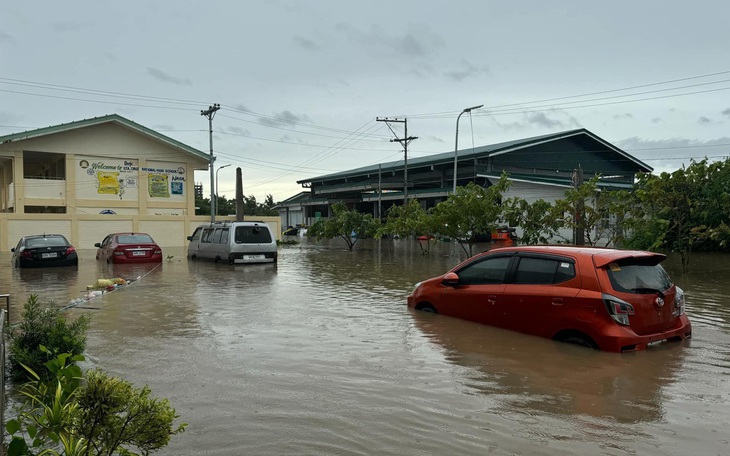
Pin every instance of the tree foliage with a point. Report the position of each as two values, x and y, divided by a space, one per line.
410 221
228 206
537 220
471 211
348 224
41 335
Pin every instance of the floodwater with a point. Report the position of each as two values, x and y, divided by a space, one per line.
319 355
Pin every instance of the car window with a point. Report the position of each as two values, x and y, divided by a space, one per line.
252 235
224 236
543 271
135 239
637 276
489 270
196 234
51 241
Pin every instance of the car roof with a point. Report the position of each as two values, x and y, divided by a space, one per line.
35 236
601 255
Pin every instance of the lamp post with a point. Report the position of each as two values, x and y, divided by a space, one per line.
216 186
456 146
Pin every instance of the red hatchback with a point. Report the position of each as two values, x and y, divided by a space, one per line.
608 299
129 248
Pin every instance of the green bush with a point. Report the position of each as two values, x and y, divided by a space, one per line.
43 334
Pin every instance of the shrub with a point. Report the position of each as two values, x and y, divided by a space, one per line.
41 336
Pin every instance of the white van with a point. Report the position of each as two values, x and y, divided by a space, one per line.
233 243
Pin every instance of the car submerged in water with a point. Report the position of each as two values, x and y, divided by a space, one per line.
608 299
44 250
128 248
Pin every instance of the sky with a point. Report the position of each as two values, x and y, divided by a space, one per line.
301 84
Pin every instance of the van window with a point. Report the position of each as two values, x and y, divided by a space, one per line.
217 235
194 237
224 236
252 235
207 235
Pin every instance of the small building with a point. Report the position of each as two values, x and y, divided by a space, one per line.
539 167
92 177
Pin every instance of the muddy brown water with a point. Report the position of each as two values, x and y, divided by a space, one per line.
319 355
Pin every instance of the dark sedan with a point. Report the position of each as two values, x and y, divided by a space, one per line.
44 250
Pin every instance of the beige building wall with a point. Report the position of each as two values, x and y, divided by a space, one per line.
117 178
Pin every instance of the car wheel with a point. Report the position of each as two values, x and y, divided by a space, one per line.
427 308
579 339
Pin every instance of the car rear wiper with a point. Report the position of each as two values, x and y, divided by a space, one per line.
647 291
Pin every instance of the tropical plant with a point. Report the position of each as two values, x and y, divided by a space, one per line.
409 220
72 415
348 224
41 335
471 211
536 220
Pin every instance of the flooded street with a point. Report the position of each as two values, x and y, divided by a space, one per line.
319 355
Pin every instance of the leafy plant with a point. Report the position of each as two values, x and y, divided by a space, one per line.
348 224
410 220
41 335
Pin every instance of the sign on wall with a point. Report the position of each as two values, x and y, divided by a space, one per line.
103 177
165 180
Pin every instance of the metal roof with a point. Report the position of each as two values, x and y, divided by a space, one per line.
481 151
111 118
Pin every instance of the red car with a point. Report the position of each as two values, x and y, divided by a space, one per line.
128 248
608 299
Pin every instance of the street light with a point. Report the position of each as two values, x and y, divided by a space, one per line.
216 186
456 146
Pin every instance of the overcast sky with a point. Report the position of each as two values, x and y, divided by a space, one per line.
301 83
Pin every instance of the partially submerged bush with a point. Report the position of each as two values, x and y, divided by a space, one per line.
43 334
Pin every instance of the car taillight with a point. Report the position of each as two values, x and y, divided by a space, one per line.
70 250
158 252
119 252
678 303
618 309
26 254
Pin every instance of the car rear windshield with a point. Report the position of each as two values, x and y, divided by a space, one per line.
135 239
638 276
252 235
51 241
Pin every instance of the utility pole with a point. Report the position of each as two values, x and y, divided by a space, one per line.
404 142
210 113
579 215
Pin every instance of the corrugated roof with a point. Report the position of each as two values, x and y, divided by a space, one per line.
111 118
488 150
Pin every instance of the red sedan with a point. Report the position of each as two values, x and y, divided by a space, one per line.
128 248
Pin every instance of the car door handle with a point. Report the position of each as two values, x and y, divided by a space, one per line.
557 301
492 299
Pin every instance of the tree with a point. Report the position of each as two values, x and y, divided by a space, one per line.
409 220
536 220
599 214
346 223
472 210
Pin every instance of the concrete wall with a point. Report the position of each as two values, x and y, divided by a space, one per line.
84 230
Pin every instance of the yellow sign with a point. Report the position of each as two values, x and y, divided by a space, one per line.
159 186
108 182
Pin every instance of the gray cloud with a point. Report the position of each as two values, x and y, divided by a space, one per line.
626 115
6 38
704 120
306 44
656 120
282 118
238 131
726 112
666 155
542 120
418 42
68 26
467 71
240 107
164 77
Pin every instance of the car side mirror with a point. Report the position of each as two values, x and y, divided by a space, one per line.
450 279
98 244
190 238
13 249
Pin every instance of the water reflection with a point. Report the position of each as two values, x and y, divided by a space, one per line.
554 378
